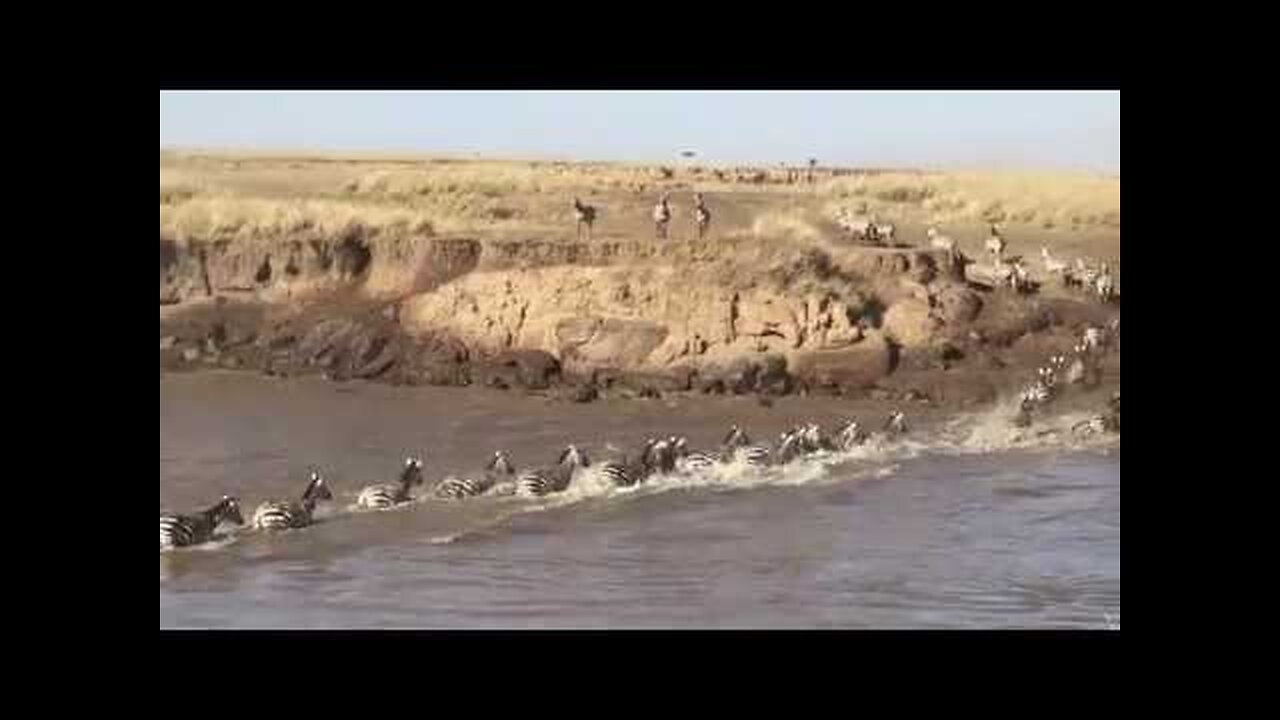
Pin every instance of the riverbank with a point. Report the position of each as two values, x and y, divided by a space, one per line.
449 272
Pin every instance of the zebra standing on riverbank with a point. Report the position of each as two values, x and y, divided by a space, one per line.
182 530
701 215
585 215
662 216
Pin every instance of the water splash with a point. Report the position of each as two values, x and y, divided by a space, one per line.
990 431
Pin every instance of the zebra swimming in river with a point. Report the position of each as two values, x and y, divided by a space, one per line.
177 530
542 481
286 515
498 470
386 495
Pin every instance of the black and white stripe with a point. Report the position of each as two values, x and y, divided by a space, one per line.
698 461
377 497
754 455
790 447
660 457
543 481
284 515
850 435
736 438
896 424
177 530
498 470
622 474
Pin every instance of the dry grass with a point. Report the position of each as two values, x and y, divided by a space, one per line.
1042 199
210 194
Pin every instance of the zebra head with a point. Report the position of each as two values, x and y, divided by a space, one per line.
316 489
812 435
412 473
736 437
681 446
574 458
228 510
500 464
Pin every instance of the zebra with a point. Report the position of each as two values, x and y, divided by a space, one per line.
1076 370
737 446
736 438
1038 393
1014 273
896 424
941 242
754 455
1094 338
1105 285
1052 265
1096 425
497 470
285 516
850 435
659 456
995 243
377 497
662 216
624 473
820 439
183 530
541 481
688 461
585 215
857 226
1086 275
790 447
701 215
631 470
885 232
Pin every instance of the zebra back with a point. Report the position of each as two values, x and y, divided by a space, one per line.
619 474
282 516
183 530
698 462
755 455
382 496
456 488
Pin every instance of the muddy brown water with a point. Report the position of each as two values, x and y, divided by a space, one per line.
959 528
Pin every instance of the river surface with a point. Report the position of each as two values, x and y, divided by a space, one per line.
960 526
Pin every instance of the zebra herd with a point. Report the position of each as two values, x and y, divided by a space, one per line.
657 456
1069 369
866 228
585 215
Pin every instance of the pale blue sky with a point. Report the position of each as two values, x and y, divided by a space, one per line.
1068 130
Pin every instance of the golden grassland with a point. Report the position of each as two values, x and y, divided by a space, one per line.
253 194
